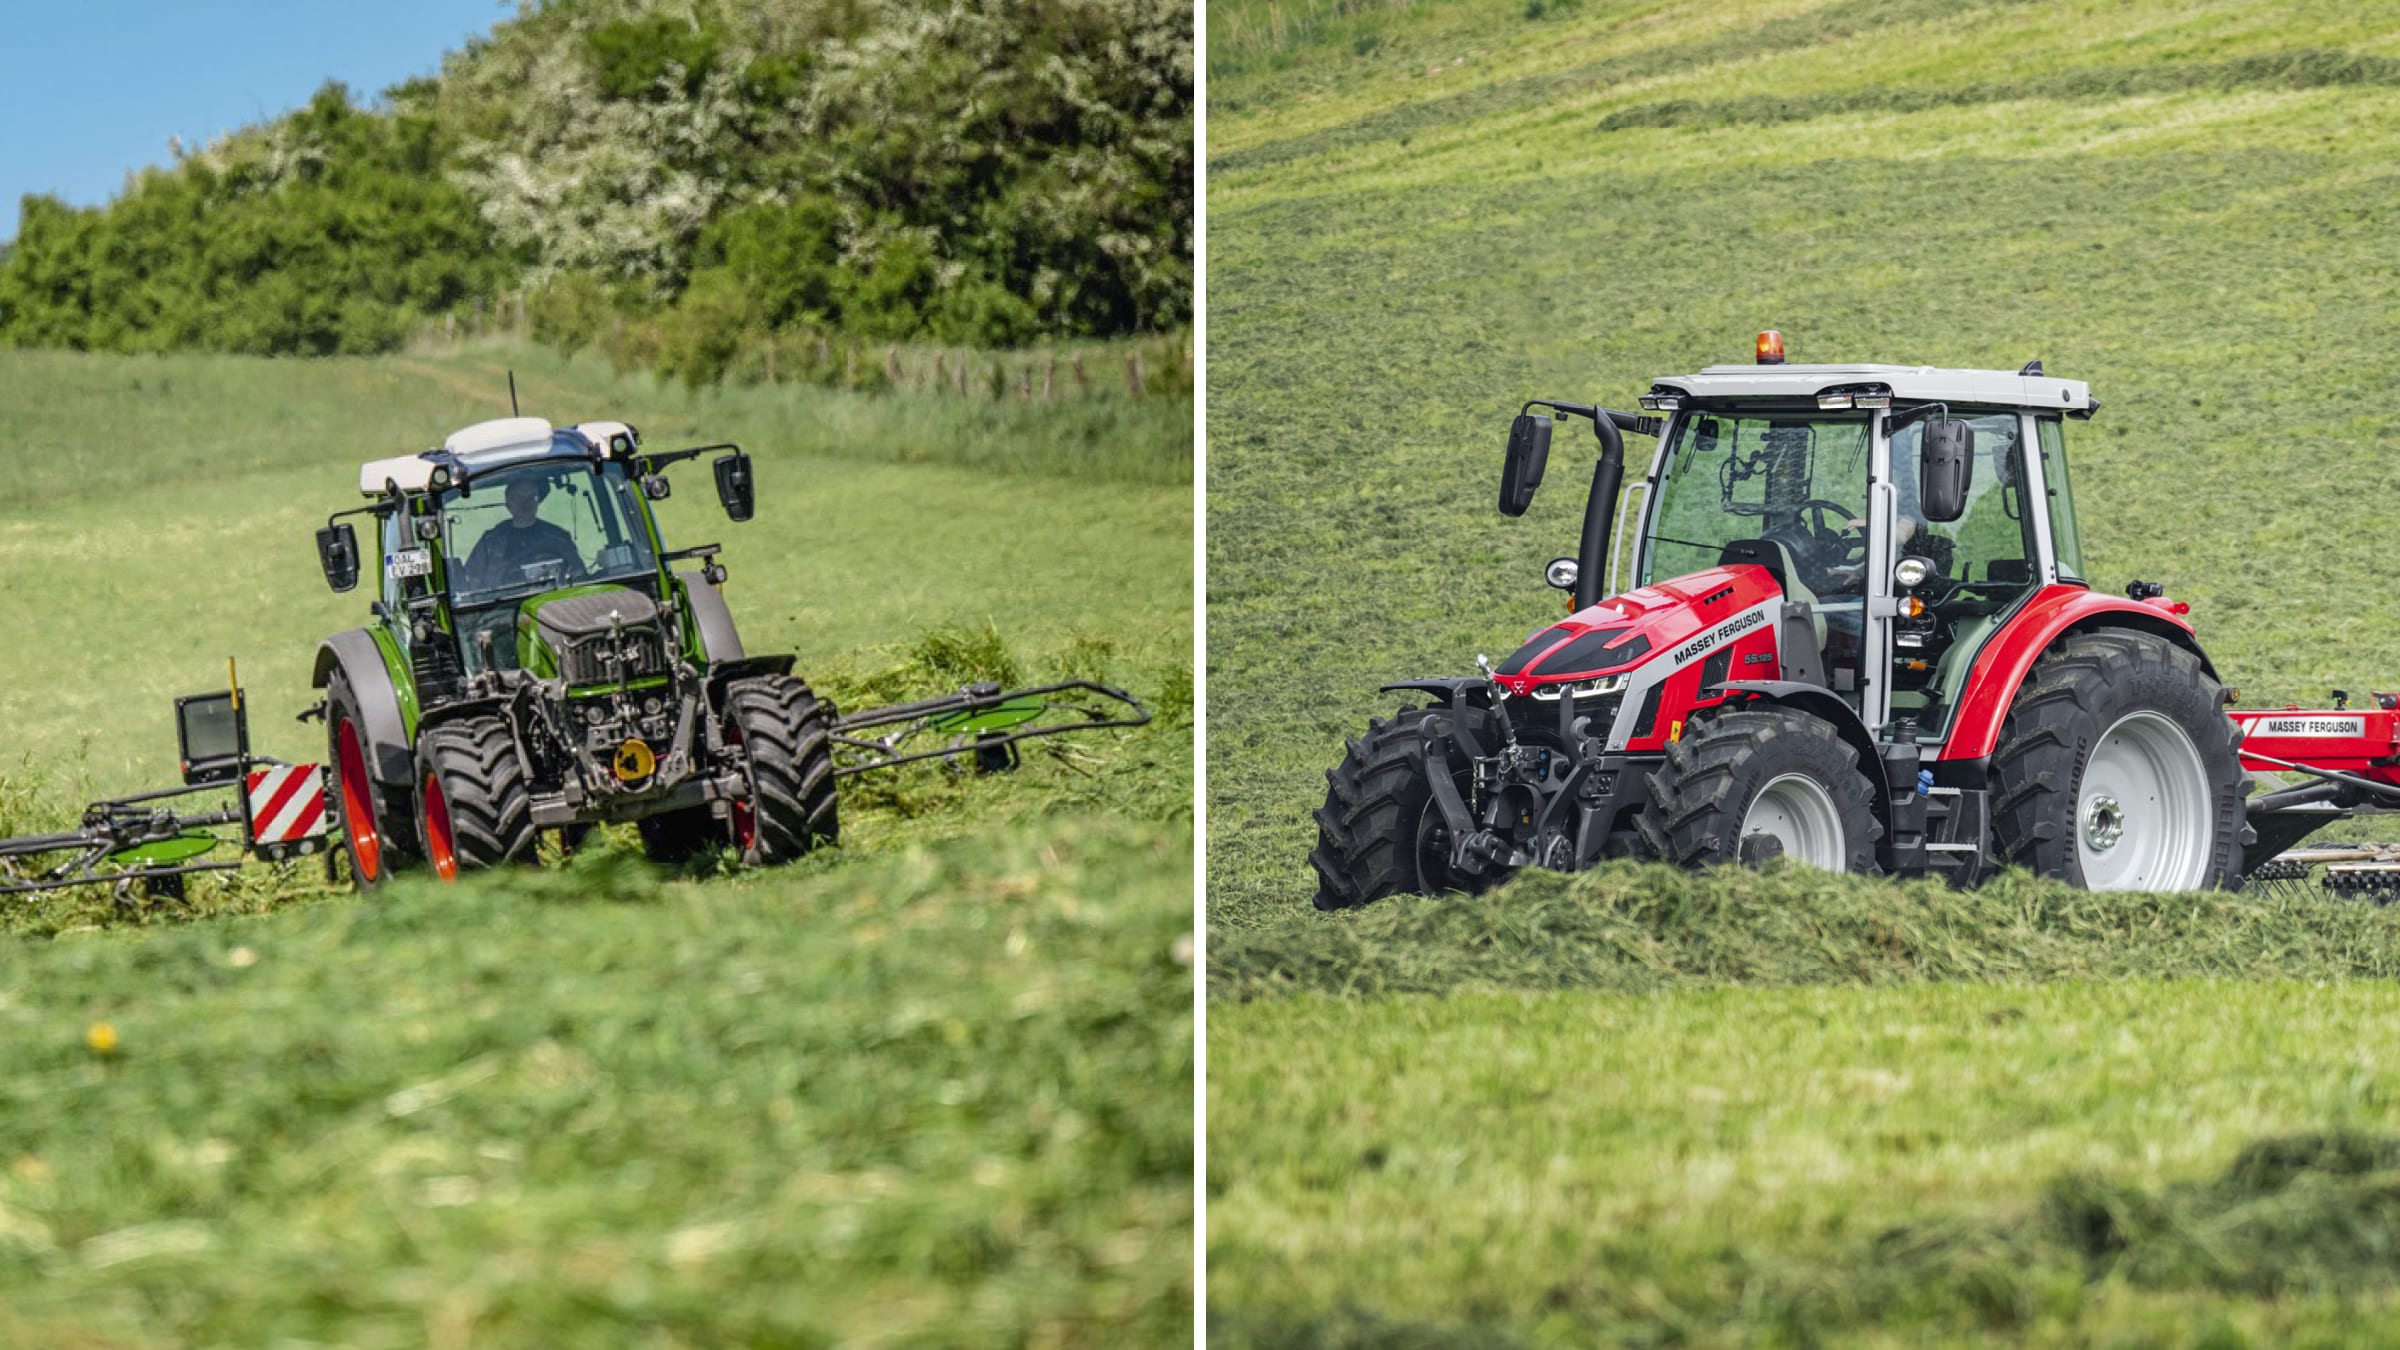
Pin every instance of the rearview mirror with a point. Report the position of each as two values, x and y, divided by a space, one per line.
735 487
1528 455
337 553
1945 468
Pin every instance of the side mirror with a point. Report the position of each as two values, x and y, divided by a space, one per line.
337 553
1528 455
735 487
1945 468
657 488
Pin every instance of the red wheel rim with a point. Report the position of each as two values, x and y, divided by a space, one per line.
358 804
745 817
440 849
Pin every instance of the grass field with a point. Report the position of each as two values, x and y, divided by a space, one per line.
933 1088
1421 215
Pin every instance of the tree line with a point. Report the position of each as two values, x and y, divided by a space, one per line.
989 173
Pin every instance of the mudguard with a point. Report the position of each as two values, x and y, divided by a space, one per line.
2008 656
1447 692
390 761
719 639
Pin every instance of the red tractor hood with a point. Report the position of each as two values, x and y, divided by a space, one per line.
1642 625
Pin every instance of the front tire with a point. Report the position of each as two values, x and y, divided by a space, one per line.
475 811
788 736
1757 783
2117 769
1379 832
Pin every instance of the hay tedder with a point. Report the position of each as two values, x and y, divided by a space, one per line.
1856 634
537 658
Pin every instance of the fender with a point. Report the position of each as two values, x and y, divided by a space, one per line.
366 665
1820 702
1447 692
2008 655
719 639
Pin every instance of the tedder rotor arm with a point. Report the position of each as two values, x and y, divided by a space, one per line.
980 720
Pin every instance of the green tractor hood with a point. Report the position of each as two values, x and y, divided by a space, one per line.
572 632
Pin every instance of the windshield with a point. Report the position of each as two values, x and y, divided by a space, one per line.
1796 480
535 527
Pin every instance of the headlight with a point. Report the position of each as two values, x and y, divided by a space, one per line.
1562 573
1606 684
1911 572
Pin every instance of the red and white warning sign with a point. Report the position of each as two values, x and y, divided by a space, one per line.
286 802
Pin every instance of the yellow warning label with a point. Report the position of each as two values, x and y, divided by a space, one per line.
634 762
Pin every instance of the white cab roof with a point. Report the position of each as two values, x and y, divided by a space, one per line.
1909 383
483 445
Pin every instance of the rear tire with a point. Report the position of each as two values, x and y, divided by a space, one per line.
476 811
2117 769
788 736
1379 832
1762 782
378 823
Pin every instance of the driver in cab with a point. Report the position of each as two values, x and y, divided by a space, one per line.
523 540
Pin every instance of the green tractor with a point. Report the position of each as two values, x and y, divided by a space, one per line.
539 659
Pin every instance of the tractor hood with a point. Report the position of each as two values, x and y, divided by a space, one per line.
1679 620
591 635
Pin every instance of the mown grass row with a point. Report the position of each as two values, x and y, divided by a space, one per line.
2306 1222
1637 929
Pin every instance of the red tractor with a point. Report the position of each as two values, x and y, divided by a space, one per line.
1857 634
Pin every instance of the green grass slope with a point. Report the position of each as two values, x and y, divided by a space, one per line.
932 1087
1633 1109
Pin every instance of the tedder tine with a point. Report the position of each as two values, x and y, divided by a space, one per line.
982 720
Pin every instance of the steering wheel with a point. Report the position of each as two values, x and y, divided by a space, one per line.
1817 546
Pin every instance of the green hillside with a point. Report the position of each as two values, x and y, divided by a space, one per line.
1421 215
935 1085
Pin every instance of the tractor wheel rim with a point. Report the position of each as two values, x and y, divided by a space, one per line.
441 847
358 804
2142 809
1432 847
1797 812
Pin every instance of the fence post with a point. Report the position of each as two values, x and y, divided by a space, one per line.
770 356
1083 382
1133 374
1049 374
892 374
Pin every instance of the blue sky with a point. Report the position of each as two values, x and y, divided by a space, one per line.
90 90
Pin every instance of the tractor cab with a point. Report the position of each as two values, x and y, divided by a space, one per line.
1819 474
515 545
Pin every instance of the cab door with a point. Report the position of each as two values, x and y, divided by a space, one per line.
1979 567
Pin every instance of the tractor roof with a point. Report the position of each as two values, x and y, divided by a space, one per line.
1912 383
488 445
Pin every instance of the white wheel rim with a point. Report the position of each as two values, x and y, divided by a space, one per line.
1797 812
2142 818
